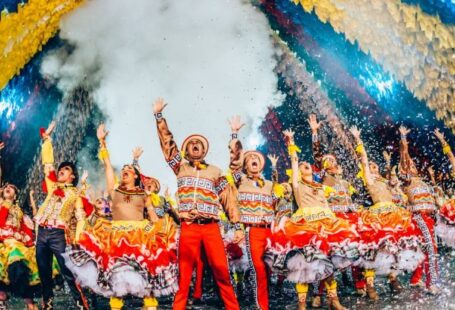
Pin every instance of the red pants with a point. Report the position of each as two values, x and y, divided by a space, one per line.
256 241
197 292
430 265
192 237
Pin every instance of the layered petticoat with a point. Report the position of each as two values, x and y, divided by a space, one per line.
389 240
125 257
445 227
310 251
237 257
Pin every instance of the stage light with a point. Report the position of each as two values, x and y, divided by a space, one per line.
378 83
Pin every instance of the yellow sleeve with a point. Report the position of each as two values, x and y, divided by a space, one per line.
47 152
80 217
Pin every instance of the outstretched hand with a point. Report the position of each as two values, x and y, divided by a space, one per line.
355 132
137 152
273 159
101 132
2 145
403 130
159 105
314 124
49 130
236 123
387 156
439 135
84 177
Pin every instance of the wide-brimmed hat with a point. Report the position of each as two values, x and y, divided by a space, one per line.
200 138
157 183
256 153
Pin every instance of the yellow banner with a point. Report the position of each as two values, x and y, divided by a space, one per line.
24 33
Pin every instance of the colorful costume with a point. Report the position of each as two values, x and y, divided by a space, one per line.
202 191
303 248
422 204
257 202
388 236
60 219
18 268
127 255
445 228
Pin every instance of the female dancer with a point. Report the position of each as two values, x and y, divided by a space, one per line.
125 255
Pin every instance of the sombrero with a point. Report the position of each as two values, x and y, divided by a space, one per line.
200 138
258 154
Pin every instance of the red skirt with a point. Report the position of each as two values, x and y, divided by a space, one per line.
127 257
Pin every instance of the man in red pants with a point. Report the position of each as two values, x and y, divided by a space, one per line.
202 191
257 205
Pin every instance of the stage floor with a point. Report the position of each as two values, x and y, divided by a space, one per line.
285 298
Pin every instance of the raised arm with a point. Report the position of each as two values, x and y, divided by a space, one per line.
405 159
32 202
289 136
431 175
236 148
360 149
137 153
316 144
388 164
104 157
446 149
167 142
47 156
274 160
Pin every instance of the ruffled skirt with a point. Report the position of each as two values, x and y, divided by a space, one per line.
125 257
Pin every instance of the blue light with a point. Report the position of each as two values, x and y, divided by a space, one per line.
8 110
377 82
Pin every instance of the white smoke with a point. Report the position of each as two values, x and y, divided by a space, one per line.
208 59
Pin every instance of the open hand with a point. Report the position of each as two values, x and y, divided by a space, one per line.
101 132
159 105
236 123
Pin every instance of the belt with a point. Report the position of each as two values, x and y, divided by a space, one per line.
48 227
258 225
202 221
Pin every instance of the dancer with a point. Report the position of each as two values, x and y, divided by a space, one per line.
339 198
165 226
445 228
304 245
18 268
125 255
399 197
386 229
257 200
62 207
422 204
202 191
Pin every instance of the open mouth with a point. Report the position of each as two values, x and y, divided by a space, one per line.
124 174
195 149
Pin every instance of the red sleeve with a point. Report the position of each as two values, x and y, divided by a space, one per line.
3 216
88 207
53 177
27 231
